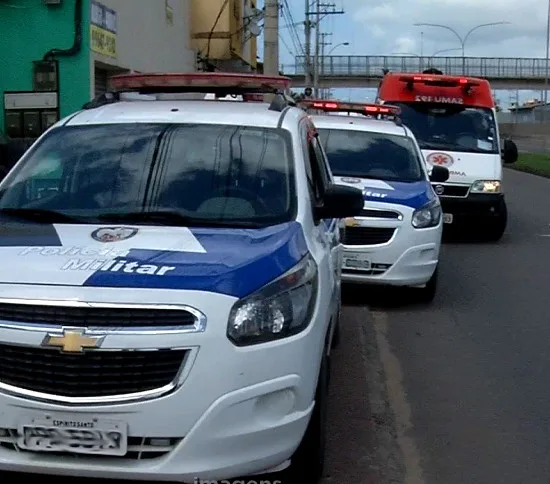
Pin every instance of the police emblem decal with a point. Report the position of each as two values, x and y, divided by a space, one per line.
113 234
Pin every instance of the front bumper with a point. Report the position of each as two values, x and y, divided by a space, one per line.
236 412
475 208
409 258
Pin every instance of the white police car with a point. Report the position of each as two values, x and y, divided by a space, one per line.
170 288
396 239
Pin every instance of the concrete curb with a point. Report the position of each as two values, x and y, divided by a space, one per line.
388 453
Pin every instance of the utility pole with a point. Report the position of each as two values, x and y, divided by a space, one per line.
324 44
321 10
271 37
307 29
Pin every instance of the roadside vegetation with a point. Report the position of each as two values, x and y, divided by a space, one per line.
538 164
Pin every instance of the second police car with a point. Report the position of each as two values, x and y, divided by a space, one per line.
397 237
171 287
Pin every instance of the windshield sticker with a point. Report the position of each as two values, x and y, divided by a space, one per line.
439 99
113 234
350 180
440 159
484 145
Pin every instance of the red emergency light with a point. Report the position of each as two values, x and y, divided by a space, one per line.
440 81
203 82
360 108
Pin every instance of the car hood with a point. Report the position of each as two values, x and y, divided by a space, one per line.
229 261
413 195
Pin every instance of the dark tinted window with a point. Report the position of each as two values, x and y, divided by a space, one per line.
451 127
205 171
371 155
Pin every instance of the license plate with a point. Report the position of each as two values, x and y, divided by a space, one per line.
80 436
447 218
357 261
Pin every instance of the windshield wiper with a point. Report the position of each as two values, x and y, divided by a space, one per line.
175 218
40 215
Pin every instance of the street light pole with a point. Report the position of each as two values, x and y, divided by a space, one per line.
327 92
546 61
461 39
339 45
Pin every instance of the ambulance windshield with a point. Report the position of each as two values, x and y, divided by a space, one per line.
451 127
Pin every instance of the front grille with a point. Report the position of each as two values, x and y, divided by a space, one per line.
94 316
454 190
139 448
380 214
90 374
365 235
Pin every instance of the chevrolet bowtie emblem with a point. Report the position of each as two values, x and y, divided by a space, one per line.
72 340
351 222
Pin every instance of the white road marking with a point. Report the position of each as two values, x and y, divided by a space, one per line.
398 401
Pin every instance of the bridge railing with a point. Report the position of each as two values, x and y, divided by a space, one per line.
373 66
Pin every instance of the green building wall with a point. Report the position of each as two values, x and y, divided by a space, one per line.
27 33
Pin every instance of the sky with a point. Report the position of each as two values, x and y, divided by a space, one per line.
385 27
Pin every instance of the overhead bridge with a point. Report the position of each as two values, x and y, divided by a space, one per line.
366 71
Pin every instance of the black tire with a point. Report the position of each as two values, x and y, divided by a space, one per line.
427 293
308 462
496 228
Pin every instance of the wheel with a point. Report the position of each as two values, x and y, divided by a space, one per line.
308 462
427 293
496 228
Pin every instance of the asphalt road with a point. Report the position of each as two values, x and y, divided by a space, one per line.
467 378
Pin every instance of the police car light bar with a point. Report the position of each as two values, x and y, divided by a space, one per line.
203 82
438 80
366 109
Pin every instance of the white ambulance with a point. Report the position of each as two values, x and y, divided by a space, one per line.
454 120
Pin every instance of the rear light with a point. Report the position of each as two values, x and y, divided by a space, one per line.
204 82
367 109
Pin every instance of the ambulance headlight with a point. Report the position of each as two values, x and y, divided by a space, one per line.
486 186
427 216
280 309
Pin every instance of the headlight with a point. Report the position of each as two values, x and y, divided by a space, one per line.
427 216
280 309
486 186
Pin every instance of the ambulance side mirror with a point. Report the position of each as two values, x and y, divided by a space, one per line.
439 174
509 152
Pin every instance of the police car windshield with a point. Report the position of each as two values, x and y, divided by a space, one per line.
364 154
177 172
451 127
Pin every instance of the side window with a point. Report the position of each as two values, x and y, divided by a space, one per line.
322 157
305 148
315 164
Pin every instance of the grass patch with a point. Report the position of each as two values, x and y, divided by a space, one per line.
537 164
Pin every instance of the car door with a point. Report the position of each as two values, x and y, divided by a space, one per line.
327 231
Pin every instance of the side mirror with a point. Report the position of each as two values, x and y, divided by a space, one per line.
510 153
439 174
341 202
